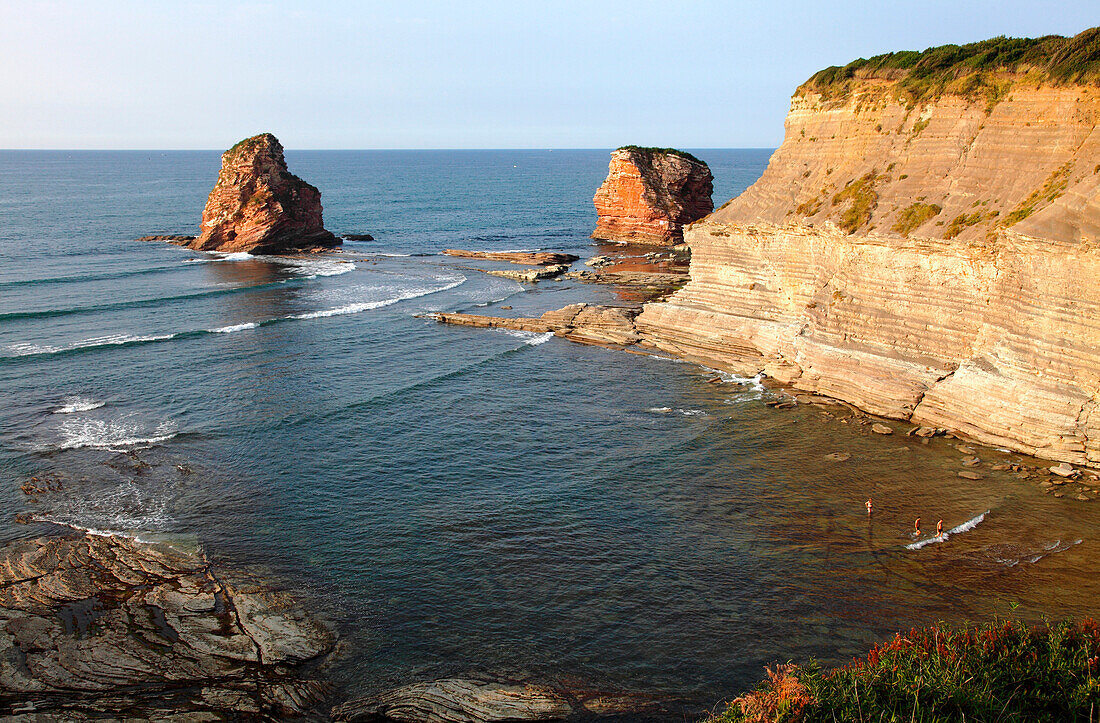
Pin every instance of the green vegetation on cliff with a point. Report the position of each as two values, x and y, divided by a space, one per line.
1001 671
969 70
658 151
916 215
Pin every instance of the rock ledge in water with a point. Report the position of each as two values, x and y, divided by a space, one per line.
527 258
260 207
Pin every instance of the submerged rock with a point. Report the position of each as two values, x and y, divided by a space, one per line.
260 207
100 625
477 700
455 700
650 194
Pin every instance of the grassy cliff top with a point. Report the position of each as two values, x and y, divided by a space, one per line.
968 69
665 151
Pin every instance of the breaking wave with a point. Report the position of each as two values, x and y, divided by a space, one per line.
531 338
964 527
20 350
72 405
115 435
234 327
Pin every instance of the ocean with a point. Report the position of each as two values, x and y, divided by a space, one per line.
457 500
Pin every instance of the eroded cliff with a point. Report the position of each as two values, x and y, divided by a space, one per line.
926 250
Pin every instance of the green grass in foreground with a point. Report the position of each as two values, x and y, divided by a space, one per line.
1001 671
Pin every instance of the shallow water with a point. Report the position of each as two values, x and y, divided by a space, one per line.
468 500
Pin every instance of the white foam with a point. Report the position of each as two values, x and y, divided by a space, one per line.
235 256
114 435
314 268
78 404
234 327
28 349
692 412
367 305
194 261
531 338
660 410
958 530
116 339
89 530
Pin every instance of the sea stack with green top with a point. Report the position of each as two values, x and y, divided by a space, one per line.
260 207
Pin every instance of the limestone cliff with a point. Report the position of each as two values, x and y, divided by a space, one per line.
649 194
925 244
259 206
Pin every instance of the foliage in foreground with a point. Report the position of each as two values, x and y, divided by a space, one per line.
1001 671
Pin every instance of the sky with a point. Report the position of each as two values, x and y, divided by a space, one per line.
146 74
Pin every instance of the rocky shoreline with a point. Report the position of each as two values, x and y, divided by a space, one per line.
106 625
97 626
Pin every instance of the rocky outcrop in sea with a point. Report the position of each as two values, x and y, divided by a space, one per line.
650 194
260 207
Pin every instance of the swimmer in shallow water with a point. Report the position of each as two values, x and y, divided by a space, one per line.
939 529
870 506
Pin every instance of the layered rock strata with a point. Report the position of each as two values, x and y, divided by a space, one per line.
260 207
527 258
584 323
650 194
95 626
932 260
530 276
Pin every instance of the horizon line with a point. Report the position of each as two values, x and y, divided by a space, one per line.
527 148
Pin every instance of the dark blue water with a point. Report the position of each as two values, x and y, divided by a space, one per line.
462 500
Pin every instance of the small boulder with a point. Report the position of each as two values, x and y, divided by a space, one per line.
838 457
969 475
878 428
1063 470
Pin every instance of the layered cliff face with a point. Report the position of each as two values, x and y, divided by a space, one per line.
649 194
934 260
258 206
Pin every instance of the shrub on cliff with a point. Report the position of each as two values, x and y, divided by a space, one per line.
1001 671
969 70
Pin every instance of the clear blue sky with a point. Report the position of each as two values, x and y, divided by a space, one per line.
452 74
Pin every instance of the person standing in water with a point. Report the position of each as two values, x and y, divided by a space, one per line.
870 507
916 527
939 529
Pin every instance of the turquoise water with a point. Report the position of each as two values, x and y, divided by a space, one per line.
461 500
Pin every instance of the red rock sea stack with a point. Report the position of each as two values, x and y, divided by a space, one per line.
259 206
650 194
